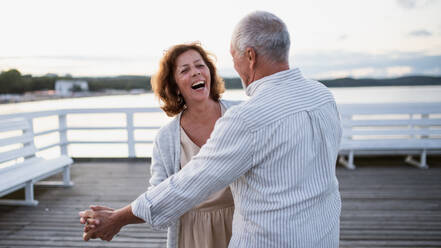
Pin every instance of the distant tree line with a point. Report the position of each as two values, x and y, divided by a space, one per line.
13 82
399 81
118 83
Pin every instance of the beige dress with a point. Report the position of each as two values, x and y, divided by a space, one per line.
209 224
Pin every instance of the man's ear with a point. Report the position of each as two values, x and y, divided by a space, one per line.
251 57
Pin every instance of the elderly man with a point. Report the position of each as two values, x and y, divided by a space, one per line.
277 151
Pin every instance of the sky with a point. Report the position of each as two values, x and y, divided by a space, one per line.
329 39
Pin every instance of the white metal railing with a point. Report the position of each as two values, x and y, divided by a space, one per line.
348 112
64 127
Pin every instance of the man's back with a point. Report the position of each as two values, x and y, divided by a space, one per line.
277 151
289 198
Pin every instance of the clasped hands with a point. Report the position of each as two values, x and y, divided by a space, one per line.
99 222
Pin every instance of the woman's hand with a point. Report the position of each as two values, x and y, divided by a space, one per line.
90 221
105 223
100 223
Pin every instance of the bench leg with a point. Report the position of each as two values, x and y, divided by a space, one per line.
29 194
66 177
422 164
29 197
65 183
348 164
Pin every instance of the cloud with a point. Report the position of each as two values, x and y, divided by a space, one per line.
343 37
412 4
337 64
420 33
317 65
362 72
407 4
78 58
81 65
398 71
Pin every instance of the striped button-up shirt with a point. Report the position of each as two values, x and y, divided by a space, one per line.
277 151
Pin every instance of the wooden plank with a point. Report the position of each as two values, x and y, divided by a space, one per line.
384 204
55 220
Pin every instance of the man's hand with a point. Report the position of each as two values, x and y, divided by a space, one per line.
101 222
90 221
105 223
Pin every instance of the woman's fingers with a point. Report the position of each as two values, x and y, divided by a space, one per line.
98 208
92 221
87 228
83 220
86 214
87 236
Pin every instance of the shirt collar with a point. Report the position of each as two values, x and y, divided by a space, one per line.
252 88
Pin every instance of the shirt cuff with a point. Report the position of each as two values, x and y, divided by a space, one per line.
141 208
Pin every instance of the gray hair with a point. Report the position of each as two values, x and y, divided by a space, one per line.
264 32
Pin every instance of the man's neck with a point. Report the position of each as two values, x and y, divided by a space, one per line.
268 69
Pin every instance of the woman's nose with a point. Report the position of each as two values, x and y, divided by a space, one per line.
196 72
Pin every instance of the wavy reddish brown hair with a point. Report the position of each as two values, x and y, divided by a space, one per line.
164 85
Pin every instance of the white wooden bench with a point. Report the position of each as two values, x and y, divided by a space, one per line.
21 167
390 129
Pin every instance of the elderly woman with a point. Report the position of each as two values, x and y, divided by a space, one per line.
189 88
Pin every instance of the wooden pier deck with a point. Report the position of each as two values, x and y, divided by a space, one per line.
386 203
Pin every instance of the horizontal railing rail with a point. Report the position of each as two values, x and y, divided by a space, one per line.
64 127
128 115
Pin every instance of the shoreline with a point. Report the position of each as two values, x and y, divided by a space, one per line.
6 99
34 97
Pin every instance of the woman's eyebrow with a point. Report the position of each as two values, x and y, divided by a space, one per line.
185 65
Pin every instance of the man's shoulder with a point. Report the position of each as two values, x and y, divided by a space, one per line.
281 100
241 111
230 103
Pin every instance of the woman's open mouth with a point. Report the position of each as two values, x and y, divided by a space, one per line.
197 85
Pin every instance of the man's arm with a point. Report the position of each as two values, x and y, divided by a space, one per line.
225 157
105 223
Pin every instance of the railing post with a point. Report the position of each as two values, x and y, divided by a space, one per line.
62 126
31 131
425 127
130 135
412 126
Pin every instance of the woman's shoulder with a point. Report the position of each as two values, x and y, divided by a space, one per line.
169 130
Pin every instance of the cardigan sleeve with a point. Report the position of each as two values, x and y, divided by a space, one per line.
158 171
